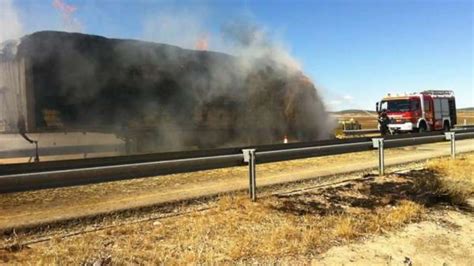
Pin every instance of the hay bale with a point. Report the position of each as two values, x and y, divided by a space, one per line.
184 95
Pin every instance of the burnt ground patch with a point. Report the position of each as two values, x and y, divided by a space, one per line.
370 193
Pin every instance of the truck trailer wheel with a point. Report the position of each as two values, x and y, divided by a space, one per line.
446 126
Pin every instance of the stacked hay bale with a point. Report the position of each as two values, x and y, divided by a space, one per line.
182 96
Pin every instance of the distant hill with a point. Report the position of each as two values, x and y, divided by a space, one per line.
468 109
353 111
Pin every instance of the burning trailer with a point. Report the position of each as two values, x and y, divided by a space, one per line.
155 96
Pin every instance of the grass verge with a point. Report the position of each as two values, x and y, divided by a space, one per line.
449 180
235 230
289 226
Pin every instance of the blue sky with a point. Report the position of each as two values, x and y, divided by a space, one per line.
356 51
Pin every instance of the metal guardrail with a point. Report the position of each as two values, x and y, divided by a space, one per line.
463 126
24 179
43 166
90 175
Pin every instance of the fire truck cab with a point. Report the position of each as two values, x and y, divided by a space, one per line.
418 112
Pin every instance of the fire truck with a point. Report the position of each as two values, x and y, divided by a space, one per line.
418 112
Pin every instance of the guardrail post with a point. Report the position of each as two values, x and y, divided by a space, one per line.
249 157
378 143
452 137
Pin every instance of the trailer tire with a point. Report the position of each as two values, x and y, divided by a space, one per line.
446 126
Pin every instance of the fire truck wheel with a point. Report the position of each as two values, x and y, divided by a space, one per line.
422 128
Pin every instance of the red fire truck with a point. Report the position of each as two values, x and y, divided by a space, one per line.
418 112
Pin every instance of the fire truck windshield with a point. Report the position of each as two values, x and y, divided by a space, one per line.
396 105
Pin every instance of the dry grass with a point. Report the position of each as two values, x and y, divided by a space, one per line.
466 116
235 230
451 179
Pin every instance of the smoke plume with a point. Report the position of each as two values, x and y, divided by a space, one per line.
279 99
10 23
182 28
251 41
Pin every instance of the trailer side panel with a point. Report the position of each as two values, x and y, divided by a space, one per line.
13 95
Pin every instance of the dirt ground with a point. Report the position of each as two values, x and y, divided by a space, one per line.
446 238
408 217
